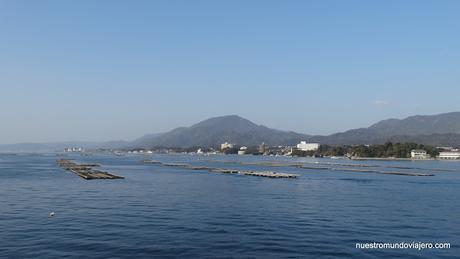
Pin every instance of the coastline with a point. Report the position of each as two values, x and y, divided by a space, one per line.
395 159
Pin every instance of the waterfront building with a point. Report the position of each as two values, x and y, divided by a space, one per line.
226 145
304 146
242 150
418 154
450 155
73 149
263 148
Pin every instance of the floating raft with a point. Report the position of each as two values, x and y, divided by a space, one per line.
175 165
90 175
269 174
85 171
224 171
149 161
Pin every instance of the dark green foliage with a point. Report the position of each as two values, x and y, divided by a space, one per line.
229 151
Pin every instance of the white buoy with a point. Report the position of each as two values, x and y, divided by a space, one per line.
52 214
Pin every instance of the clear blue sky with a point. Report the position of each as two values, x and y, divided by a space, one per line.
105 70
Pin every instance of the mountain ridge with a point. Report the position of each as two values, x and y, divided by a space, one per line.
437 130
216 130
418 128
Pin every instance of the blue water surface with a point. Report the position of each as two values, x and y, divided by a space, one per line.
167 212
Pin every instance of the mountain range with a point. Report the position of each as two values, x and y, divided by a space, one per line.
437 130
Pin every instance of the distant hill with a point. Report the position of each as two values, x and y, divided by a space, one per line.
441 129
215 131
435 130
446 139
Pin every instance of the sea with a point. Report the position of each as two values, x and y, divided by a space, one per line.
328 211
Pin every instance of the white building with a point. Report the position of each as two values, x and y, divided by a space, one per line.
449 155
263 148
418 154
226 145
242 150
73 149
304 146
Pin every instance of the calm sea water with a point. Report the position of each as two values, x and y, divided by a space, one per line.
173 212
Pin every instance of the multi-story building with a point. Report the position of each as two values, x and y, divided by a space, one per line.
449 155
73 149
226 145
418 154
242 150
263 148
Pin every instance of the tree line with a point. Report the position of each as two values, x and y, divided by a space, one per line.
389 149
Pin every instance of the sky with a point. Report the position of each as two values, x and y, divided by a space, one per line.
116 70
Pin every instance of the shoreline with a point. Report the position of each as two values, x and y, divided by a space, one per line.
397 159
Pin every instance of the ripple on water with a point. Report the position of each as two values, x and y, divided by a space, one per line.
167 212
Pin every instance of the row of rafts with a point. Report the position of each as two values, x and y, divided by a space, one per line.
268 174
359 168
87 172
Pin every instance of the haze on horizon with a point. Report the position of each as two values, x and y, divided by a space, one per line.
110 70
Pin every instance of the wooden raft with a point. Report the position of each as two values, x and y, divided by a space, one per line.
85 171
